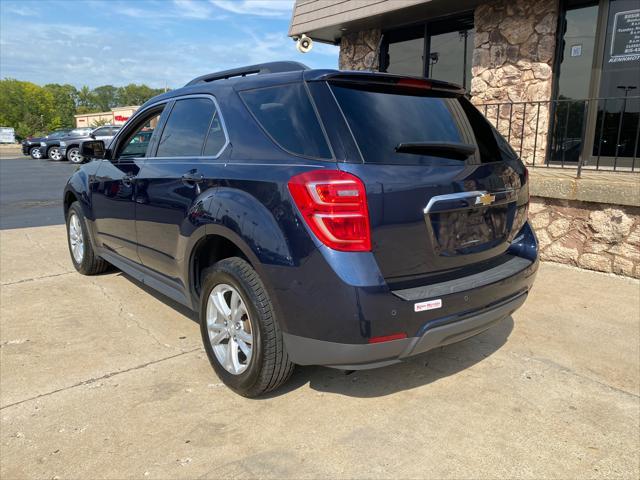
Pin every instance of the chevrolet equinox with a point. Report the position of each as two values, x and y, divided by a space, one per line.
311 217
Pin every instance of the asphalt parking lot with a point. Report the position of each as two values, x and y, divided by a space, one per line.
31 191
100 378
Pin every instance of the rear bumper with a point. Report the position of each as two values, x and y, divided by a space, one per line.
308 351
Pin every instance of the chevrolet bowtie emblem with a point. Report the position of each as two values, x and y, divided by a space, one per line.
485 199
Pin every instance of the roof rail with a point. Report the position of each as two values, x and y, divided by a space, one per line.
259 69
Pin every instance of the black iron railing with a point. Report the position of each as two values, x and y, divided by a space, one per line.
592 133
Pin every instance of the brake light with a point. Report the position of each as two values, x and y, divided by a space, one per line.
414 83
333 203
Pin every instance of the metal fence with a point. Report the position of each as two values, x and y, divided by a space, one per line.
593 133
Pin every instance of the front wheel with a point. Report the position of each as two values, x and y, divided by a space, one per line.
74 155
54 154
35 153
240 333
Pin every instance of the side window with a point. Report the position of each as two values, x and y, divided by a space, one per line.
216 137
101 132
186 128
137 143
286 114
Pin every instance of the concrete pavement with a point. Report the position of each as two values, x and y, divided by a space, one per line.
101 378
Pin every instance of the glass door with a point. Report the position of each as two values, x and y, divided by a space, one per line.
596 111
617 123
575 64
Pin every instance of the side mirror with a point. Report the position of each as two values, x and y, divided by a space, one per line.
93 149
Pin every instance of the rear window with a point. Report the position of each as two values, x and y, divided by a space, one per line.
380 121
286 114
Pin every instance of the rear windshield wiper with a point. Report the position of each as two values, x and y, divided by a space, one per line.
458 151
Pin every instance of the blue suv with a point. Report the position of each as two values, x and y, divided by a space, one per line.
311 217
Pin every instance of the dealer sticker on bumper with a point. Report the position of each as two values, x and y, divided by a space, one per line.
429 305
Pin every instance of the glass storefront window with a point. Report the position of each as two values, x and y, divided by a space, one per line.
576 63
405 57
448 52
450 44
618 116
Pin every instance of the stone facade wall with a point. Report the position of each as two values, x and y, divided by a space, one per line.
513 54
594 236
358 50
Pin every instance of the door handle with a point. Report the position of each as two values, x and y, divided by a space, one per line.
193 177
127 180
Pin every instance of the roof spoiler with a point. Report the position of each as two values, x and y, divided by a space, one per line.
259 69
388 80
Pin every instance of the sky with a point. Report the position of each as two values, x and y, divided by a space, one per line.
156 42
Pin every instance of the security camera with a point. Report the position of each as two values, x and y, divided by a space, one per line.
304 44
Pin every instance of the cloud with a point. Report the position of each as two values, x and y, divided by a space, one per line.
158 53
16 10
262 8
168 12
194 9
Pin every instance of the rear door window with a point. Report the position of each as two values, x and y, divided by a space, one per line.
286 114
186 129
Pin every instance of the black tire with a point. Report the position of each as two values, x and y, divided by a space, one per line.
90 264
269 366
35 153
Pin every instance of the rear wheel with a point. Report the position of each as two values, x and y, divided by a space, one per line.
54 154
74 156
83 257
239 331
35 153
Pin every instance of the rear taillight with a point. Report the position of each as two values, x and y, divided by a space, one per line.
334 205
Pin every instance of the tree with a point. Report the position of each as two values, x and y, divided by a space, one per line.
65 98
27 107
85 98
34 110
99 122
105 97
133 94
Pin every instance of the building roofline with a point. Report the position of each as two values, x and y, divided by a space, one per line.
109 112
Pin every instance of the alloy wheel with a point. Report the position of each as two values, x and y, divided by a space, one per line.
76 238
75 156
229 327
54 154
36 153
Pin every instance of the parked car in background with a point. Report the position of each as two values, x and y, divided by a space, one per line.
31 145
7 135
312 217
71 146
50 147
